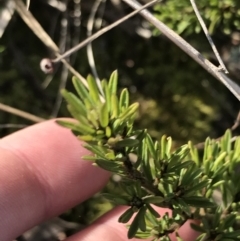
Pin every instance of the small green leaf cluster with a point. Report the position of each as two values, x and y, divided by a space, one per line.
152 173
179 15
220 162
98 119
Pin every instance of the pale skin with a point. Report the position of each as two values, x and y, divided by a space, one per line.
42 175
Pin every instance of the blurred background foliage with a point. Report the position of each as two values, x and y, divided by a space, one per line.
177 97
219 15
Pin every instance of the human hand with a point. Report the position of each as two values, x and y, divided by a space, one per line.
42 175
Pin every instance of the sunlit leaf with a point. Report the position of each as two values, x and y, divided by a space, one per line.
124 100
113 81
104 116
93 89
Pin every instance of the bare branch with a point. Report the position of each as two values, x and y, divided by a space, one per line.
6 13
208 36
35 26
90 55
63 45
62 85
8 126
236 123
20 113
101 32
27 4
45 38
187 48
37 29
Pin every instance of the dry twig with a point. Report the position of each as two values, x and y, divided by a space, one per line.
208 36
20 113
37 29
102 31
90 55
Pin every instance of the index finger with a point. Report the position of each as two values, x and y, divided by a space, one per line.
42 175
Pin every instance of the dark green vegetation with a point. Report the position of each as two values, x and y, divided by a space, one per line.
194 185
177 97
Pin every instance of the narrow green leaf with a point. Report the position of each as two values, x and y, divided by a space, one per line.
234 234
153 167
89 158
74 101
152 211
110 156
154 199
77 115
95 149
141 135
192 173
178 237
117 124
202 237
144 155
215 149
236 148
145 235
108 131
207 149
229 221
127 143
197 187
217 184
93 89
124 100
176 160
163 147
79 127
141 218
129 112
218 161
138 188
107 94
184 206
114 107
111 166
226 141
100 132
113 81
126 216
118 200
134 226
168 147
128 188
217 217
88 104
180 166
193 152
81 89
93 118
197 228
196 201
86 138
104 117
157 148
150 217
150 145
